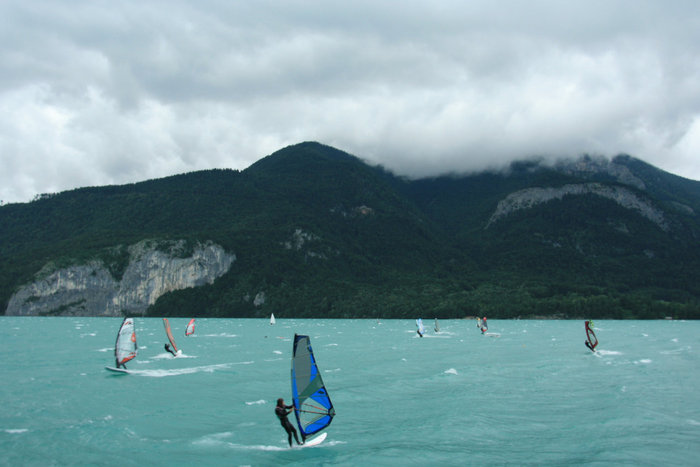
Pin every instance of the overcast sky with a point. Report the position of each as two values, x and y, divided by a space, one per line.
111 92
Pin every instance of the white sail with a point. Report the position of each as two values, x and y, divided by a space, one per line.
272 318
125 348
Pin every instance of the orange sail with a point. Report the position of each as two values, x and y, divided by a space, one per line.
169 333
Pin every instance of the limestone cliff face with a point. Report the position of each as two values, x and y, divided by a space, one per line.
530 197
91 290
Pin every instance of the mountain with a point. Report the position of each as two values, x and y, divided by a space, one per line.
311 231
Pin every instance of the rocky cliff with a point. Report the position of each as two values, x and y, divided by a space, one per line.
91 290
530 197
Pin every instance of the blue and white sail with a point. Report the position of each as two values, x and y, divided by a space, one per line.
312 404
419 325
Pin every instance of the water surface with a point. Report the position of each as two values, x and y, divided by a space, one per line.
533 396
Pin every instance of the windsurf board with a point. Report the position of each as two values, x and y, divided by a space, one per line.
314 441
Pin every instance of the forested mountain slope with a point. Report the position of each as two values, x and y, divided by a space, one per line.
313 231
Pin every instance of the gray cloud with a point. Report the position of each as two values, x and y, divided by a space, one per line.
97 93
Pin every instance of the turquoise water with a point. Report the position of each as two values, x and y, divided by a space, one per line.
533 396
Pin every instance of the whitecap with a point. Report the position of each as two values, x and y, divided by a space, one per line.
261 401
644 360
451 371
219 440
213 440
278 352
162 356
183 355
334 443
15 431
180 371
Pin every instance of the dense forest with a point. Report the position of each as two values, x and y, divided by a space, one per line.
366 243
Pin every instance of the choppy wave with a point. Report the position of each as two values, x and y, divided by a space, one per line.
161 373
608 352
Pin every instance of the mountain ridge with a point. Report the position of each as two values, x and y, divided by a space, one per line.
319 232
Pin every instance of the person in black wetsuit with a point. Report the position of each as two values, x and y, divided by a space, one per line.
282 411
167 347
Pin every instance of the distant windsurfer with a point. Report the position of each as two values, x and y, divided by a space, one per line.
591 339
167 347
478 323
282 411
484 325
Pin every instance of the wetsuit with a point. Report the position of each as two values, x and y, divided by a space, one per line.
167 347
282 412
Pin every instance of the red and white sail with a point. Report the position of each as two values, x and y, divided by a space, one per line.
125 348
591 339
190 328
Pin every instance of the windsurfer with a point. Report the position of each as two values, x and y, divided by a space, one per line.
484 325
282 411
167 347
